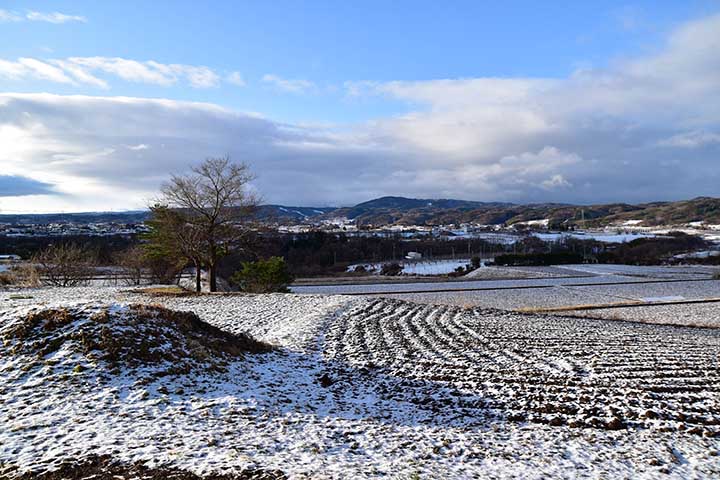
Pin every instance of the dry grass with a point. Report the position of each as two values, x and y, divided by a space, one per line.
23 275
587 306
169 291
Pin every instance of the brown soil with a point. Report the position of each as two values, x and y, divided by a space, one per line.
104 468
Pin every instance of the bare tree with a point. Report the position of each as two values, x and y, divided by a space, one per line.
213 206
65 265
133 265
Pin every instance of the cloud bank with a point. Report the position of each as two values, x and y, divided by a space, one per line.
85 70
19 186
641 129
33 16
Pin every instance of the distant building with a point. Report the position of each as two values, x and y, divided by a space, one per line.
414 256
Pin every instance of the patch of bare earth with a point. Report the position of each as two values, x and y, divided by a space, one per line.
104 468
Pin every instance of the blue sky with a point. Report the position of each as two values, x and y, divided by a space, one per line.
338 91
329 42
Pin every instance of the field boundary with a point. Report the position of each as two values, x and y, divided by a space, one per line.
608 306
514 287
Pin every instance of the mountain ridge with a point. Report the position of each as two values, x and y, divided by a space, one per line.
396 210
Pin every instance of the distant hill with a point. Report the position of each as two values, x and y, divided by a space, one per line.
401 211
137 216
701 209
283 214
414 211
269 213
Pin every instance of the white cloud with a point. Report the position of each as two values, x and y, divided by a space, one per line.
33 16
84 70
199 77
44 71
296 85
690 140
458 128
54 17
12 70
130 70
556 181
583 138
235 78
7 16
138 147
80 74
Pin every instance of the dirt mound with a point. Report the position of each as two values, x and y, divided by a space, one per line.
124 336
103 468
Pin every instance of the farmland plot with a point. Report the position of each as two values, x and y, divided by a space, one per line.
373 388
542 369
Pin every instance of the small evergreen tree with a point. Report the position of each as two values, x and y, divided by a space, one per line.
173 242
391 269
163 254
263 276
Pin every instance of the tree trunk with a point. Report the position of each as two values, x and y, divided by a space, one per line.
212 272
198 277
213 277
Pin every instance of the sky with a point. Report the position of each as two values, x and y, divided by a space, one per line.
334 103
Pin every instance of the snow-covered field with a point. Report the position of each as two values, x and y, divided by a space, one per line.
674 271
563 296
607 237
457 285
697 314
422 267
369 388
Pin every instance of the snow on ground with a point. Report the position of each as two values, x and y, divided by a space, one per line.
440 267
569 292
497 273
423 267
537 223
456 285
698 254
673 271
694 315
508 299
368 388
602 236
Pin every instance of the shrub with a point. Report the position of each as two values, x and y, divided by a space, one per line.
5 279
460 271
164 270
263 276
23 275
391 269
133 264
65 265
476 262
